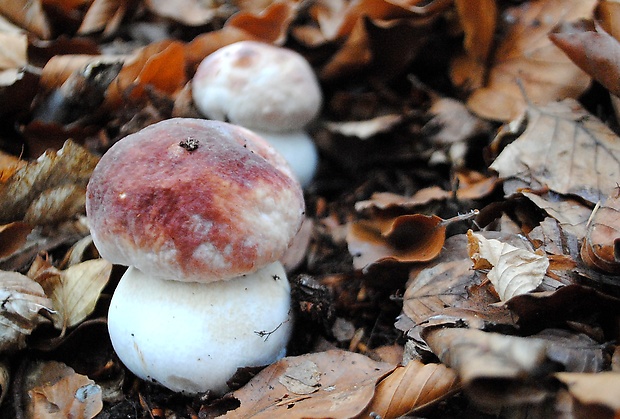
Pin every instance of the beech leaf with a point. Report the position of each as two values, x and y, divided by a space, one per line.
601 246
412 387
601 389
513 271
559 148
22 299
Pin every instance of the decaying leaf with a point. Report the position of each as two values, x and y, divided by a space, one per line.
12 237
483 359
71 165
270 25
595 52
513 271
525 54
408 238
412 387
602 389
601 246
56 391
5 379
388 200
74 291
22 299
344 383
563 148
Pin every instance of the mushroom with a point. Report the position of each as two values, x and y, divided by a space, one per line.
270 90
200 211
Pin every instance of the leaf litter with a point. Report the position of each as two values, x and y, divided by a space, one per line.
446 125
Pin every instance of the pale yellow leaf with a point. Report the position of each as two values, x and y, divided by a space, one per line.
513 271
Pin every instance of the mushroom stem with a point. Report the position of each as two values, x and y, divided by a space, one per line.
241 322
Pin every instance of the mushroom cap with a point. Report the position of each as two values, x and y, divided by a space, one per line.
192 337
258 86
228 207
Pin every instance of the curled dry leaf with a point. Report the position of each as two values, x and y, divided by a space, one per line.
103 15
602 389
13 56
558 150
408 238
595 52
513 271
56 391
389 200
12 237
74 291
479 20
601 246
334 383
22 299
270 25
525 54
49 174
483 359
411 388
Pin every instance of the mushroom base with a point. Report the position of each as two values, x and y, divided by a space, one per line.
192 337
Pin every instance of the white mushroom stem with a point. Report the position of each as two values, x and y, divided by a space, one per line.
298 149
191 337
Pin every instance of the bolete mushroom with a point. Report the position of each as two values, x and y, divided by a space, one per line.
200 211
268 89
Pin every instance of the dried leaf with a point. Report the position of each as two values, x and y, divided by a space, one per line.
408 238
526 55
595 52
411 388
365 129
344 383
479 20
74 291
102 15
13 57
5 380
484 359
601 247
388 200
22 298
12 237
270 25
602 389
559 148
159 66
28 14
513 271
190 12
58 392
72 165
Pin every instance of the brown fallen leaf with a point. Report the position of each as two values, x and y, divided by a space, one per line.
74 291
600 390
558 150
389 201
479 21
12 237
28 14
51 173
411 388
407 238
483 359
334 383
601 246
56 391
525 54
270 25
22 299
103 15
513 271
594 51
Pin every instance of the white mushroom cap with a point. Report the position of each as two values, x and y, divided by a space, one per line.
192 337
258 86
298 149
227 207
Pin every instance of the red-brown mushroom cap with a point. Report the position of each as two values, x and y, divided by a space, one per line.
193 200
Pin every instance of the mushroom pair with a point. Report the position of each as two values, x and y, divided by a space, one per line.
271 90
200 211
